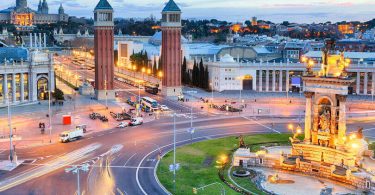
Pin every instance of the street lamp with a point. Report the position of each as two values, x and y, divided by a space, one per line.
143 72
134 69
75 170
50 115
296 131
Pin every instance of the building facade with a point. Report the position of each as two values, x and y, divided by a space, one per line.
228 74
25 76
103 48
171 54
23 16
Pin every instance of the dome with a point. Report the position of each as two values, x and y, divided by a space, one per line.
156 39
227 59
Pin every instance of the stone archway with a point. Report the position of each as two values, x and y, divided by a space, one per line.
325 115
42 87
247 82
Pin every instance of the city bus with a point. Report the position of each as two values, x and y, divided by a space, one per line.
151 89
149 103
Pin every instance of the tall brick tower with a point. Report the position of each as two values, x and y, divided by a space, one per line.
171 54
104 56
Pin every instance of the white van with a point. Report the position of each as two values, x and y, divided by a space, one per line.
67 136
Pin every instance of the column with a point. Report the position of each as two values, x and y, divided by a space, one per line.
22 88
365 83
14 90
267 80
373 84
287 80
308 123
273 80
260 80
45 40
35 40
40 40
342 118
315 127
31 40
333 130
281 80
358 83
5 87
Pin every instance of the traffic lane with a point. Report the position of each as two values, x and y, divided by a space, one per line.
146 176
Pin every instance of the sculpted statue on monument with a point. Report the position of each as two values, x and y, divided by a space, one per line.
324 128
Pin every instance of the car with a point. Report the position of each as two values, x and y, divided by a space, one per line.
122 125
136 121
164 108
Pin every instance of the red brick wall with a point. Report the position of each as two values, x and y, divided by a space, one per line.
104 57
171 56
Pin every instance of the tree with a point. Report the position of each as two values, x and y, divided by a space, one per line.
183 71
58 94
206 81
195 75
201 74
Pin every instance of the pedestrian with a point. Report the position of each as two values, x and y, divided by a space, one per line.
40 125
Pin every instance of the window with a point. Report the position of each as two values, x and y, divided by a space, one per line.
174 18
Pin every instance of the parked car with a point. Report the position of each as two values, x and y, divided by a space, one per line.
164 108
122 125
136 121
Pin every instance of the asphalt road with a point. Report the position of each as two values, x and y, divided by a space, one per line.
122 161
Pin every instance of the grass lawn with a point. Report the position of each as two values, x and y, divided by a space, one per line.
198 161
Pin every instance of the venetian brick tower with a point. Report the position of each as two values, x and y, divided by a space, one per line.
104 56
171 54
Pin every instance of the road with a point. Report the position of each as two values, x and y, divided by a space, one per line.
130 169
122 161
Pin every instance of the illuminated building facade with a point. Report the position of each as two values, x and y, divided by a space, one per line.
23 16
26 76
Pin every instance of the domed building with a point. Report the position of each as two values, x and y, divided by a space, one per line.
156 39
24 17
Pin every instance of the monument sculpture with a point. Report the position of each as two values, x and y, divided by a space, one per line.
327 150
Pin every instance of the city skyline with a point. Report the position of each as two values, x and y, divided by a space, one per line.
235 11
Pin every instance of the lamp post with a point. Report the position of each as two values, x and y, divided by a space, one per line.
296 131
10 129
75 170
174 152
134 69
143 72
50 116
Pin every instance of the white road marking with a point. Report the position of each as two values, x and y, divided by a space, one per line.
1 151
274 130
363 130
129 159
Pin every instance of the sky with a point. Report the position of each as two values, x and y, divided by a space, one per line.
300 11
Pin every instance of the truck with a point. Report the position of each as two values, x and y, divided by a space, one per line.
71 135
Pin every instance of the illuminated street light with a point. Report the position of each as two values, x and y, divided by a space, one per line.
75 170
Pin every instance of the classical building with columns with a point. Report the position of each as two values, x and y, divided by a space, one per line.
26 76
228 74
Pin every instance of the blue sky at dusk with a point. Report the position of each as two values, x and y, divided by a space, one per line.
300 11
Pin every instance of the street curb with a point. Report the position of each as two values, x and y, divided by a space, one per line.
156 177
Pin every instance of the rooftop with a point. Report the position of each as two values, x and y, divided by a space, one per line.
171 6
13 54
103 4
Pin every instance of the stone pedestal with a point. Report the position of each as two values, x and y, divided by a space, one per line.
101 95
171 91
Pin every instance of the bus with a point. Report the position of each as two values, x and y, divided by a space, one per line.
151 89
149 103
